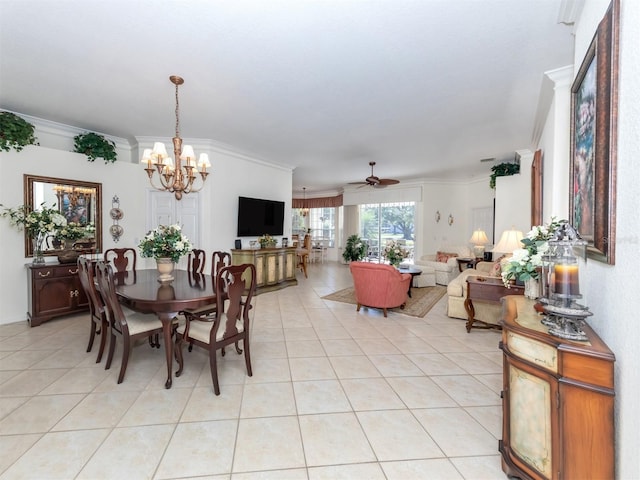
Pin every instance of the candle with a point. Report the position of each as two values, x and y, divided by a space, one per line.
566 279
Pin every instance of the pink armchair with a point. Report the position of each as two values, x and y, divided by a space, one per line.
379 286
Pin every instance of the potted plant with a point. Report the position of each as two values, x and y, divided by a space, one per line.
37 223
394 253
267 241
355 249
15 132
166 243
503 170
94 145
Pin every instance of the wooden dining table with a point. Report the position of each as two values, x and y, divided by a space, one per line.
140 291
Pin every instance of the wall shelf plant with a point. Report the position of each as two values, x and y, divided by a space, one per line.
503 170
94 145
15 132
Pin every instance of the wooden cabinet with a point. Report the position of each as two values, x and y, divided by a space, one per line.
557 402
275 267
54 290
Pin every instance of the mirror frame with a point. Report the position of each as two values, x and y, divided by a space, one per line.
29 180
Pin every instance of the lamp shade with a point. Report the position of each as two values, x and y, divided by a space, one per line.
479 237
509 241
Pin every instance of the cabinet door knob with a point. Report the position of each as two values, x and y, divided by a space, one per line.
44 276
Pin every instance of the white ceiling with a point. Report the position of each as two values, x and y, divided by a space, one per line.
426 88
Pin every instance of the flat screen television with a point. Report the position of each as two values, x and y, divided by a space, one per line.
258 217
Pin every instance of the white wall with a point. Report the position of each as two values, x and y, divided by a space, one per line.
232 175
513 199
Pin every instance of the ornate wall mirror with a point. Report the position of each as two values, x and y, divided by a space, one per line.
77 200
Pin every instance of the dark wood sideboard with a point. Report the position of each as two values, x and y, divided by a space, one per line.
54 290
557 400
275 267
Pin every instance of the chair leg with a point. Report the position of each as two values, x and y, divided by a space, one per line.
126 350
384 311
92 335
304 265
358 307
238 349
103 341
112 348
214 370
247 356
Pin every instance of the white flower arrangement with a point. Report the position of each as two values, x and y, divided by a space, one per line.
35 222
394 253
165 241
525 262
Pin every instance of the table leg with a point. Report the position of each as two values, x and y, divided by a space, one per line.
471 313
167 323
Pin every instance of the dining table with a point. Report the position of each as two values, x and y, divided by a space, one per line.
141 291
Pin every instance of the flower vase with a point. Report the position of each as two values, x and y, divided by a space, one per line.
165 268
532 288
38 258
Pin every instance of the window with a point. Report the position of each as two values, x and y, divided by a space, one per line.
380 222
321 221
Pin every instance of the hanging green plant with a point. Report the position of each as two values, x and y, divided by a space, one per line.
503 170
95 146
15 132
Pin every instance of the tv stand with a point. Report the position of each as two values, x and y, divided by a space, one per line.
275 267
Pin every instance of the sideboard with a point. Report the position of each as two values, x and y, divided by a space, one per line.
557 400
54 290
275 267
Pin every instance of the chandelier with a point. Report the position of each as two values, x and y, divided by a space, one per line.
304 210
176 179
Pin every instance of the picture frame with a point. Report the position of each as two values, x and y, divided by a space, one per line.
593 156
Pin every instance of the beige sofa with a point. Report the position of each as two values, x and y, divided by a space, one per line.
457 293
445 271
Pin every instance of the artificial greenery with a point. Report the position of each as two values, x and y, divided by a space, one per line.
15 132
355 249
94 145
503 170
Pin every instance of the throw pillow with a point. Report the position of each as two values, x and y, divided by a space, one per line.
444 256
496 270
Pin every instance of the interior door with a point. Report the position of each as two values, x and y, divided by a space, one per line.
166 210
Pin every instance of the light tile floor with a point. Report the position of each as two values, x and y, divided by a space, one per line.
335 394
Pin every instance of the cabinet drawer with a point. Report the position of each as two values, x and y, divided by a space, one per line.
532 351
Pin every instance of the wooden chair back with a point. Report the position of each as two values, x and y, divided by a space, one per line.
219 260
99 324
107 289
196 261
122 259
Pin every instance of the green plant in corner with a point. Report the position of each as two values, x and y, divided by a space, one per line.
15 132
503 170
94 145
355 249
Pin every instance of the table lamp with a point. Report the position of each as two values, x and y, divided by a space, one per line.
479 240
509 241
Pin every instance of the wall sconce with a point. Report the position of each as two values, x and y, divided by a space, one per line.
450 219
437 216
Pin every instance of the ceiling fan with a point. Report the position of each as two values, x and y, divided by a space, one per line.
374 181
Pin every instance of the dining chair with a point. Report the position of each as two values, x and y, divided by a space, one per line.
196 261
97 314
219 260
235 287
122 259
303 254
127 324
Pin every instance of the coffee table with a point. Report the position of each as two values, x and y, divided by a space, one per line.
411 270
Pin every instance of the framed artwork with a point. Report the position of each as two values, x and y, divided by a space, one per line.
536 189
594 100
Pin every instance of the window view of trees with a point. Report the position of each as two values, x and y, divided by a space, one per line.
387 221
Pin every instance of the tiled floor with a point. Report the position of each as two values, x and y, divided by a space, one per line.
335 394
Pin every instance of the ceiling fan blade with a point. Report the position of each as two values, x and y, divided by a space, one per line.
357 183
388 181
